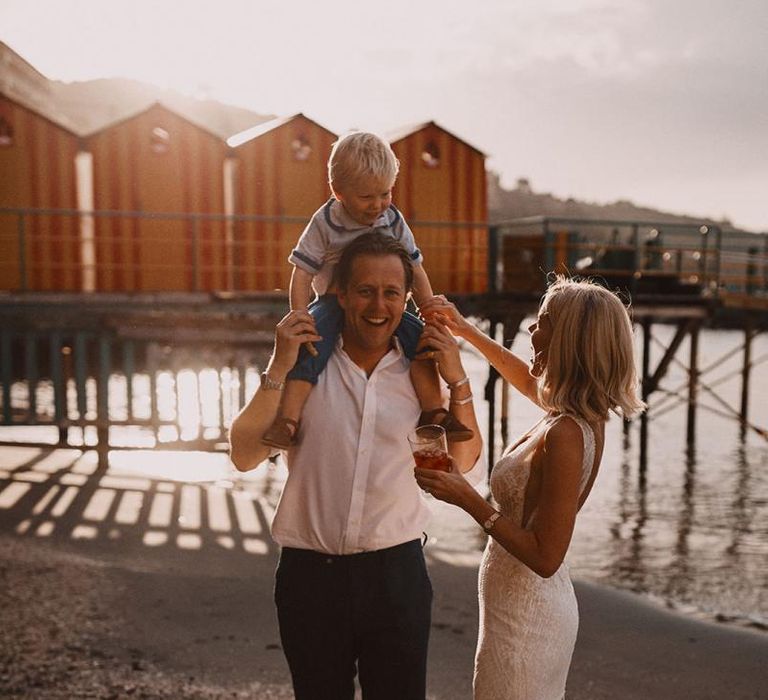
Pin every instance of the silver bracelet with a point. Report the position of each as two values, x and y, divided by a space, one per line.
271 384
461 382
461 402
488 524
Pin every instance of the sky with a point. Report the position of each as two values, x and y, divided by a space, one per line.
660 102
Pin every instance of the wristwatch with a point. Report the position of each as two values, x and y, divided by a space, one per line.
268 383
488 524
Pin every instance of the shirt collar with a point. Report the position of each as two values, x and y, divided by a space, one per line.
337 217
394 354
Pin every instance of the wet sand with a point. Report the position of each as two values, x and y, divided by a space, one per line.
109 620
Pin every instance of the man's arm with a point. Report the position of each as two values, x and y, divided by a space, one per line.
445 351
246 450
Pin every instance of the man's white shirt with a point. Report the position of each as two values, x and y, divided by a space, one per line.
350 485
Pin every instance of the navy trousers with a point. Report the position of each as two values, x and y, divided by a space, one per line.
366 614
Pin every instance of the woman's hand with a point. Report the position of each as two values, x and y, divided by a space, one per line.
439 309
450 487
439 345
295 328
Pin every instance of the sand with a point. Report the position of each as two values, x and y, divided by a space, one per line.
115 619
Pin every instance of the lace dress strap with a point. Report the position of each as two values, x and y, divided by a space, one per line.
588 460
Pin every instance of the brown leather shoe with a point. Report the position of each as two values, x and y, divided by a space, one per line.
281 434
455 430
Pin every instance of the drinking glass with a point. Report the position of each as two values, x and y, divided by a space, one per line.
430 448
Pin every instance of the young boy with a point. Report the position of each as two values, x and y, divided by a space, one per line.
361 173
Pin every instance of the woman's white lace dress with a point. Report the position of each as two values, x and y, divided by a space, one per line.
528 624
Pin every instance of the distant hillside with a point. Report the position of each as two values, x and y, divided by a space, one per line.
88 106
94 104
523 201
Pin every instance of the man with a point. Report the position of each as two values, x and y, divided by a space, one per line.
351 589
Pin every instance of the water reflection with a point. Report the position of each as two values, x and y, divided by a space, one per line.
694 536
739 507
691 529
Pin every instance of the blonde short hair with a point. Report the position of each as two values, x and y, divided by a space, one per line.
590 367
360 154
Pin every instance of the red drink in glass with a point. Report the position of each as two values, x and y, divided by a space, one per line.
432 459
429 448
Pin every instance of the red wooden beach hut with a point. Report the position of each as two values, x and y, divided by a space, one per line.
442 179
151 162
280 173
37 170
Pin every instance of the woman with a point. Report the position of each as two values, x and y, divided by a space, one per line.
582 368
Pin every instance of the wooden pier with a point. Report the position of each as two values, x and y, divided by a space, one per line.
59 351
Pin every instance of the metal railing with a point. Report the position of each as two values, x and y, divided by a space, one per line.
73 250
641 256
99 388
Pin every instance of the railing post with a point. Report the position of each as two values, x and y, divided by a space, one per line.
704 231
493 258
102 399
549 248
30 369
59 386
765 262
718 256
638 259
129 366
80 350
6 373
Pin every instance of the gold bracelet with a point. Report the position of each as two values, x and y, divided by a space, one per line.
461 402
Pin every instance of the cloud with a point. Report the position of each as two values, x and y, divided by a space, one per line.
595 98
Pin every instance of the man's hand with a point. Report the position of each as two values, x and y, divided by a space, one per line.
246 449
440 345
295 328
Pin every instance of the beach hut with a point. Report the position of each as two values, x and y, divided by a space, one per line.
37 170
441 191
280 174
166 171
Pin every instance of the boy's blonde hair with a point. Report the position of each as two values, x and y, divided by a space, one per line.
590 367
359 154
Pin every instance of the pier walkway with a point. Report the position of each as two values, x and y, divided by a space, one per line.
132 369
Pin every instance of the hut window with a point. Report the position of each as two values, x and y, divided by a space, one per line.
431 155
160 140
300 148
6 133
